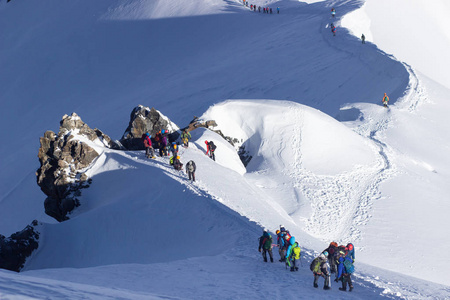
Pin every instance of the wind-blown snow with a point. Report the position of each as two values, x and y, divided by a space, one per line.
329 162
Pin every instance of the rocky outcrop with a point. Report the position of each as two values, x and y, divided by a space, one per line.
15 249
63 156
143 120
197 123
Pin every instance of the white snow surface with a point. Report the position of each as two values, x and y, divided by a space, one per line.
328 161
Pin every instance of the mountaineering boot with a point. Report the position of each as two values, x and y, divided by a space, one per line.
326 287
343 289
350 289
265 259
292 269
316 285
271 259
296 268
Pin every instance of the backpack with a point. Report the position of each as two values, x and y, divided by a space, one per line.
267 242
286 237
296 251
348 265
212 147
190 166
315 265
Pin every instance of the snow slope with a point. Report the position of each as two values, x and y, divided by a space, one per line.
181 240
79 56
413 31
372 176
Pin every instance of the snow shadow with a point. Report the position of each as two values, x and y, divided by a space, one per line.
136 214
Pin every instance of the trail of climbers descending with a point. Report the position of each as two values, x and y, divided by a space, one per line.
254 7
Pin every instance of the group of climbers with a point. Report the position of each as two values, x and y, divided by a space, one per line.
266 10
333 260
160 141
339 260
288 248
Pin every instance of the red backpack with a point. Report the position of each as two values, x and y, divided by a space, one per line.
287 237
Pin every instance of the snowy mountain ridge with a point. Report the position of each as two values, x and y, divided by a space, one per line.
329 162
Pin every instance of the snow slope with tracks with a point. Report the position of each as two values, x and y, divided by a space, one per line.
328 161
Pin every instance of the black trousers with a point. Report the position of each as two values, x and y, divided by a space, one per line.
264 254
316 279
347 278
211 155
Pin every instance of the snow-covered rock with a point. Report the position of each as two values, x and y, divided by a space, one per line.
63 158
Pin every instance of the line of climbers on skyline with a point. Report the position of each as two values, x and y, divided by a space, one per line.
334 259
161 143
266 10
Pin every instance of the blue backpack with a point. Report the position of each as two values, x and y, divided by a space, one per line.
349 267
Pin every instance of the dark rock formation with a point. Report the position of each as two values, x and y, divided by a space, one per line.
142 120
62 158
15 249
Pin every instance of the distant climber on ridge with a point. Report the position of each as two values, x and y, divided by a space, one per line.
210 149
385 100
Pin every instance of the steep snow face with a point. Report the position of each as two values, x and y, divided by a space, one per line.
284 135
413 31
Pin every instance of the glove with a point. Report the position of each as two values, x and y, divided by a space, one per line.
259 249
